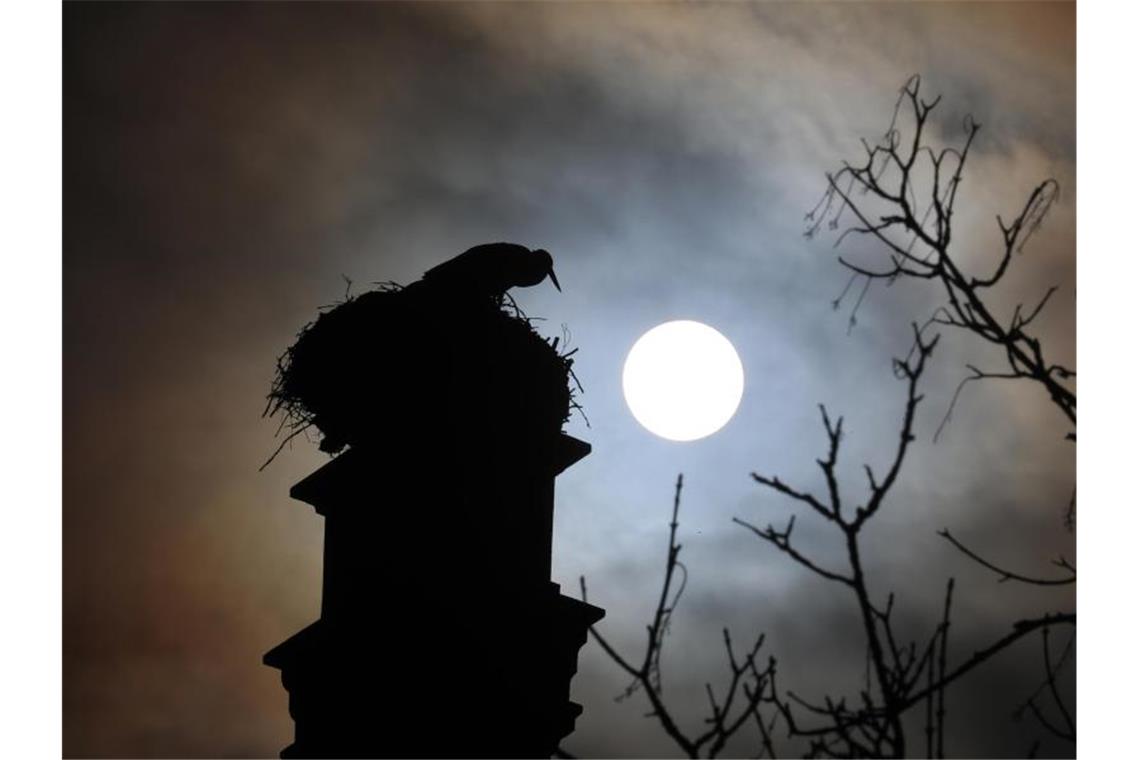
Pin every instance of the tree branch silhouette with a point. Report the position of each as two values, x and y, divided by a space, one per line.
875 728
727 717
901 196
883 195
911 190
1006 575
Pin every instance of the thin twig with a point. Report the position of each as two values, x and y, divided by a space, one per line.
1006 575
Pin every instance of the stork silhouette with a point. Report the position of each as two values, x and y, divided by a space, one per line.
492 269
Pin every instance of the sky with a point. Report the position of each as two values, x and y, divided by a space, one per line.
227 166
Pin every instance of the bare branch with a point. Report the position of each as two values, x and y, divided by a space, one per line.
964 293
1020 629
782 541
977 374
912 371
943 635
725 720
1006 575
778 485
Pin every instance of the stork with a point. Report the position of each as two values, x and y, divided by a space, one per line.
492 269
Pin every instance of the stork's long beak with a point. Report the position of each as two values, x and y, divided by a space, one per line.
554 279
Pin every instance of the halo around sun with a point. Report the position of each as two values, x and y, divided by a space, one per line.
683 380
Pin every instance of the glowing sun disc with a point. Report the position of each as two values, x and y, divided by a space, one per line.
683 380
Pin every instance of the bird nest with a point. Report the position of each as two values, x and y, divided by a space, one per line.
396 360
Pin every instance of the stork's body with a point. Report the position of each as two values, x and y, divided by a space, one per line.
492 269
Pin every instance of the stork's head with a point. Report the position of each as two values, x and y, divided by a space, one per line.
546 266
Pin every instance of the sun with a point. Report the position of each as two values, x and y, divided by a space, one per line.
683 380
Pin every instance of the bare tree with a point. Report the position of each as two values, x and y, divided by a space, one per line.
903 195
902 675
901 176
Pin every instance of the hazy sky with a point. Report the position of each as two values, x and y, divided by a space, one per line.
226 165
